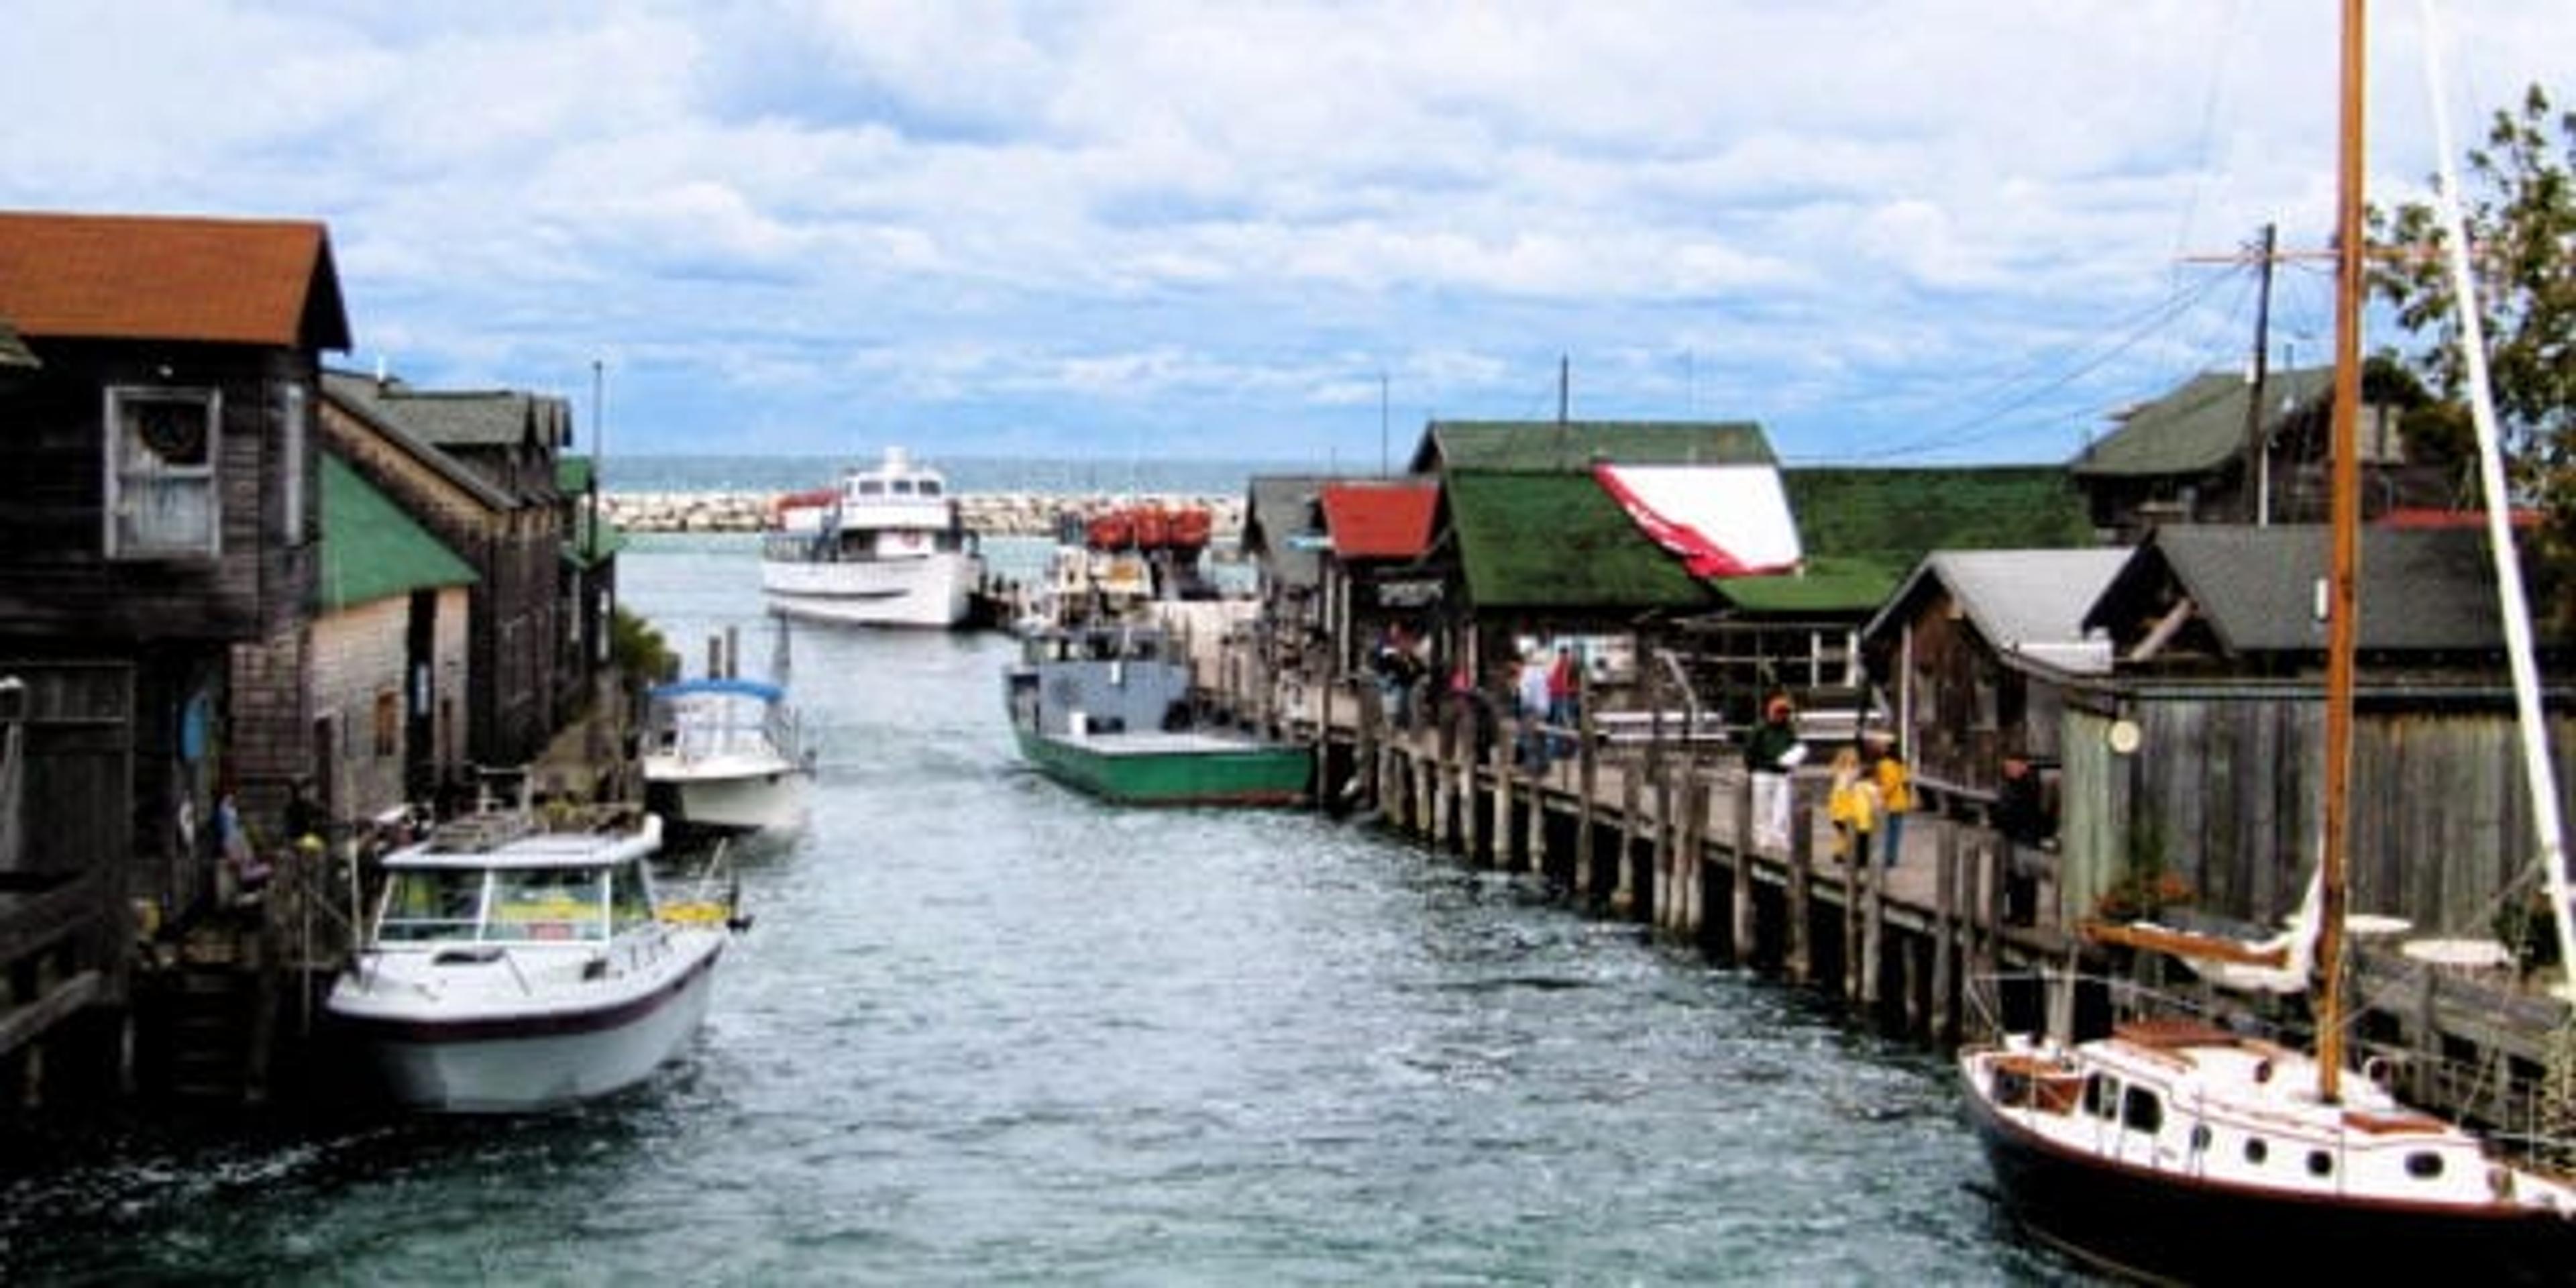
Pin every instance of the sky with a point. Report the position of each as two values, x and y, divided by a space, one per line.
1945 231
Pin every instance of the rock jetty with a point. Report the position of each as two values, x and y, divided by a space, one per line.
1008 514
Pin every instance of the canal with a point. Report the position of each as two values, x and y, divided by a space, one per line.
986 1031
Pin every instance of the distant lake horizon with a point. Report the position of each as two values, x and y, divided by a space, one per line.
683 472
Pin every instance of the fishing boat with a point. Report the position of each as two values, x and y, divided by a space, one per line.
2177 1149
887 546
1105 708
508 966
1108 565
725 755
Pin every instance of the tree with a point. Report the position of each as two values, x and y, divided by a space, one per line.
2519 206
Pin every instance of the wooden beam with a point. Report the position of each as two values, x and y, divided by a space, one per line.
25 1024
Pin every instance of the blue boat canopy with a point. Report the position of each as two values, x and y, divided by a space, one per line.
761 689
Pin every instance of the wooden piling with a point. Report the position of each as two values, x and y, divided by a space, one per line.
1798 951
1501 803
1623 896
1744 944
1945 931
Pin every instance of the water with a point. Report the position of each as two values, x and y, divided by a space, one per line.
986 1031
741 473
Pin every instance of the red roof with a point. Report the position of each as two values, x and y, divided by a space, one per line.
1379 520
141 277
2427 517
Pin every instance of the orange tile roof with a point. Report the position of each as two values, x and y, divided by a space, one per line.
1380 520
142 277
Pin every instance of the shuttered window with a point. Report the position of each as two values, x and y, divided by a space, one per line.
161 486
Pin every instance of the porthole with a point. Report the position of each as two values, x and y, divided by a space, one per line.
2424 1165
2199 1137
2320 1163
2256 1151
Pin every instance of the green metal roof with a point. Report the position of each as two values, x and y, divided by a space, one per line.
580 551
2200 426
1558 541
1897 516
1549 447
371 548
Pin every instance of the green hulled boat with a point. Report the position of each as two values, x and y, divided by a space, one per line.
1106 709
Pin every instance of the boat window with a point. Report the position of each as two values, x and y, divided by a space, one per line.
903 487
2320 1163
629 905
2199 1137
548 904
2256 1151
2424 1165
2101 1096
930 487
2141 1110
871 487
431 903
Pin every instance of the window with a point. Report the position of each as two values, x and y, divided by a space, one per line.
548 904
2101 1097
2424 1165
388 722
161 488
2320 1163
2256 1151
2140 1110
431 903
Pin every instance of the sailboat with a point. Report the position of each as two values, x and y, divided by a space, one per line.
2176 1149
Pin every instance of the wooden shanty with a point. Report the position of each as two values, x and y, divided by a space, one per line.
1976 649
160 510
363 710
478 468
2197 454
1378 581
1283 537
2197 754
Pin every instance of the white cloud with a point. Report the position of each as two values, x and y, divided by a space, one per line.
1029 219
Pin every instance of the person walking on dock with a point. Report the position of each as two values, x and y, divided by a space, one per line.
1769 754
1532 697
1853 807
1895 792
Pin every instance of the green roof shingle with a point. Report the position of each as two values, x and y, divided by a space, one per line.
2200 426
371 548
1549 447
1558 541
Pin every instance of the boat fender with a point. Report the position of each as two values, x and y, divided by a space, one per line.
2500 1182
2263 1070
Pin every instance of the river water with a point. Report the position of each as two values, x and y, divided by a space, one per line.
987 1031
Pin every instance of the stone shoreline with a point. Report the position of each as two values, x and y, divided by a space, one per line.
1009 514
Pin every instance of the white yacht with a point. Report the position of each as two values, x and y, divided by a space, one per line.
884 548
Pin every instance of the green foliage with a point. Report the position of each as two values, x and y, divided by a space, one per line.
638 650
2519 206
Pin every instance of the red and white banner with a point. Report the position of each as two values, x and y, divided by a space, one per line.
1723 520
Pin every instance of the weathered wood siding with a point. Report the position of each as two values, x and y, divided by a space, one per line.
58 580
2227 792
1968 708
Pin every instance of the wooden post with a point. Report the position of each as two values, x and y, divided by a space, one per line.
1945 931
1798 954
1852 875
1501 854
1623 895
1586 809
1873 930
1667 904
1744 941
1470 818
1324 785
1537 846
1694 849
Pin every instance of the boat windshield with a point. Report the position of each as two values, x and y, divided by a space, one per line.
548 904
632 903
431 903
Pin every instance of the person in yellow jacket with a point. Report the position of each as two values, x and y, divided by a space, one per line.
1895 785
1853 807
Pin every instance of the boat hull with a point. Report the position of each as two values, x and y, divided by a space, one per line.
2160 1226
934 591
753 801
1172 769
486 1061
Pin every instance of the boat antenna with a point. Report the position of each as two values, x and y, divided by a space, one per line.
2511 600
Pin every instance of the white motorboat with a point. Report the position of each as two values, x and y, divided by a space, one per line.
507 967
725 755
886 547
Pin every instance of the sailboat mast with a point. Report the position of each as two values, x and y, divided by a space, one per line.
2344 565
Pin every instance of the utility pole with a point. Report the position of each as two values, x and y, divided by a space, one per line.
599 450
1382 468
2258 446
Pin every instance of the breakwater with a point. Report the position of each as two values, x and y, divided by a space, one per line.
1016 514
